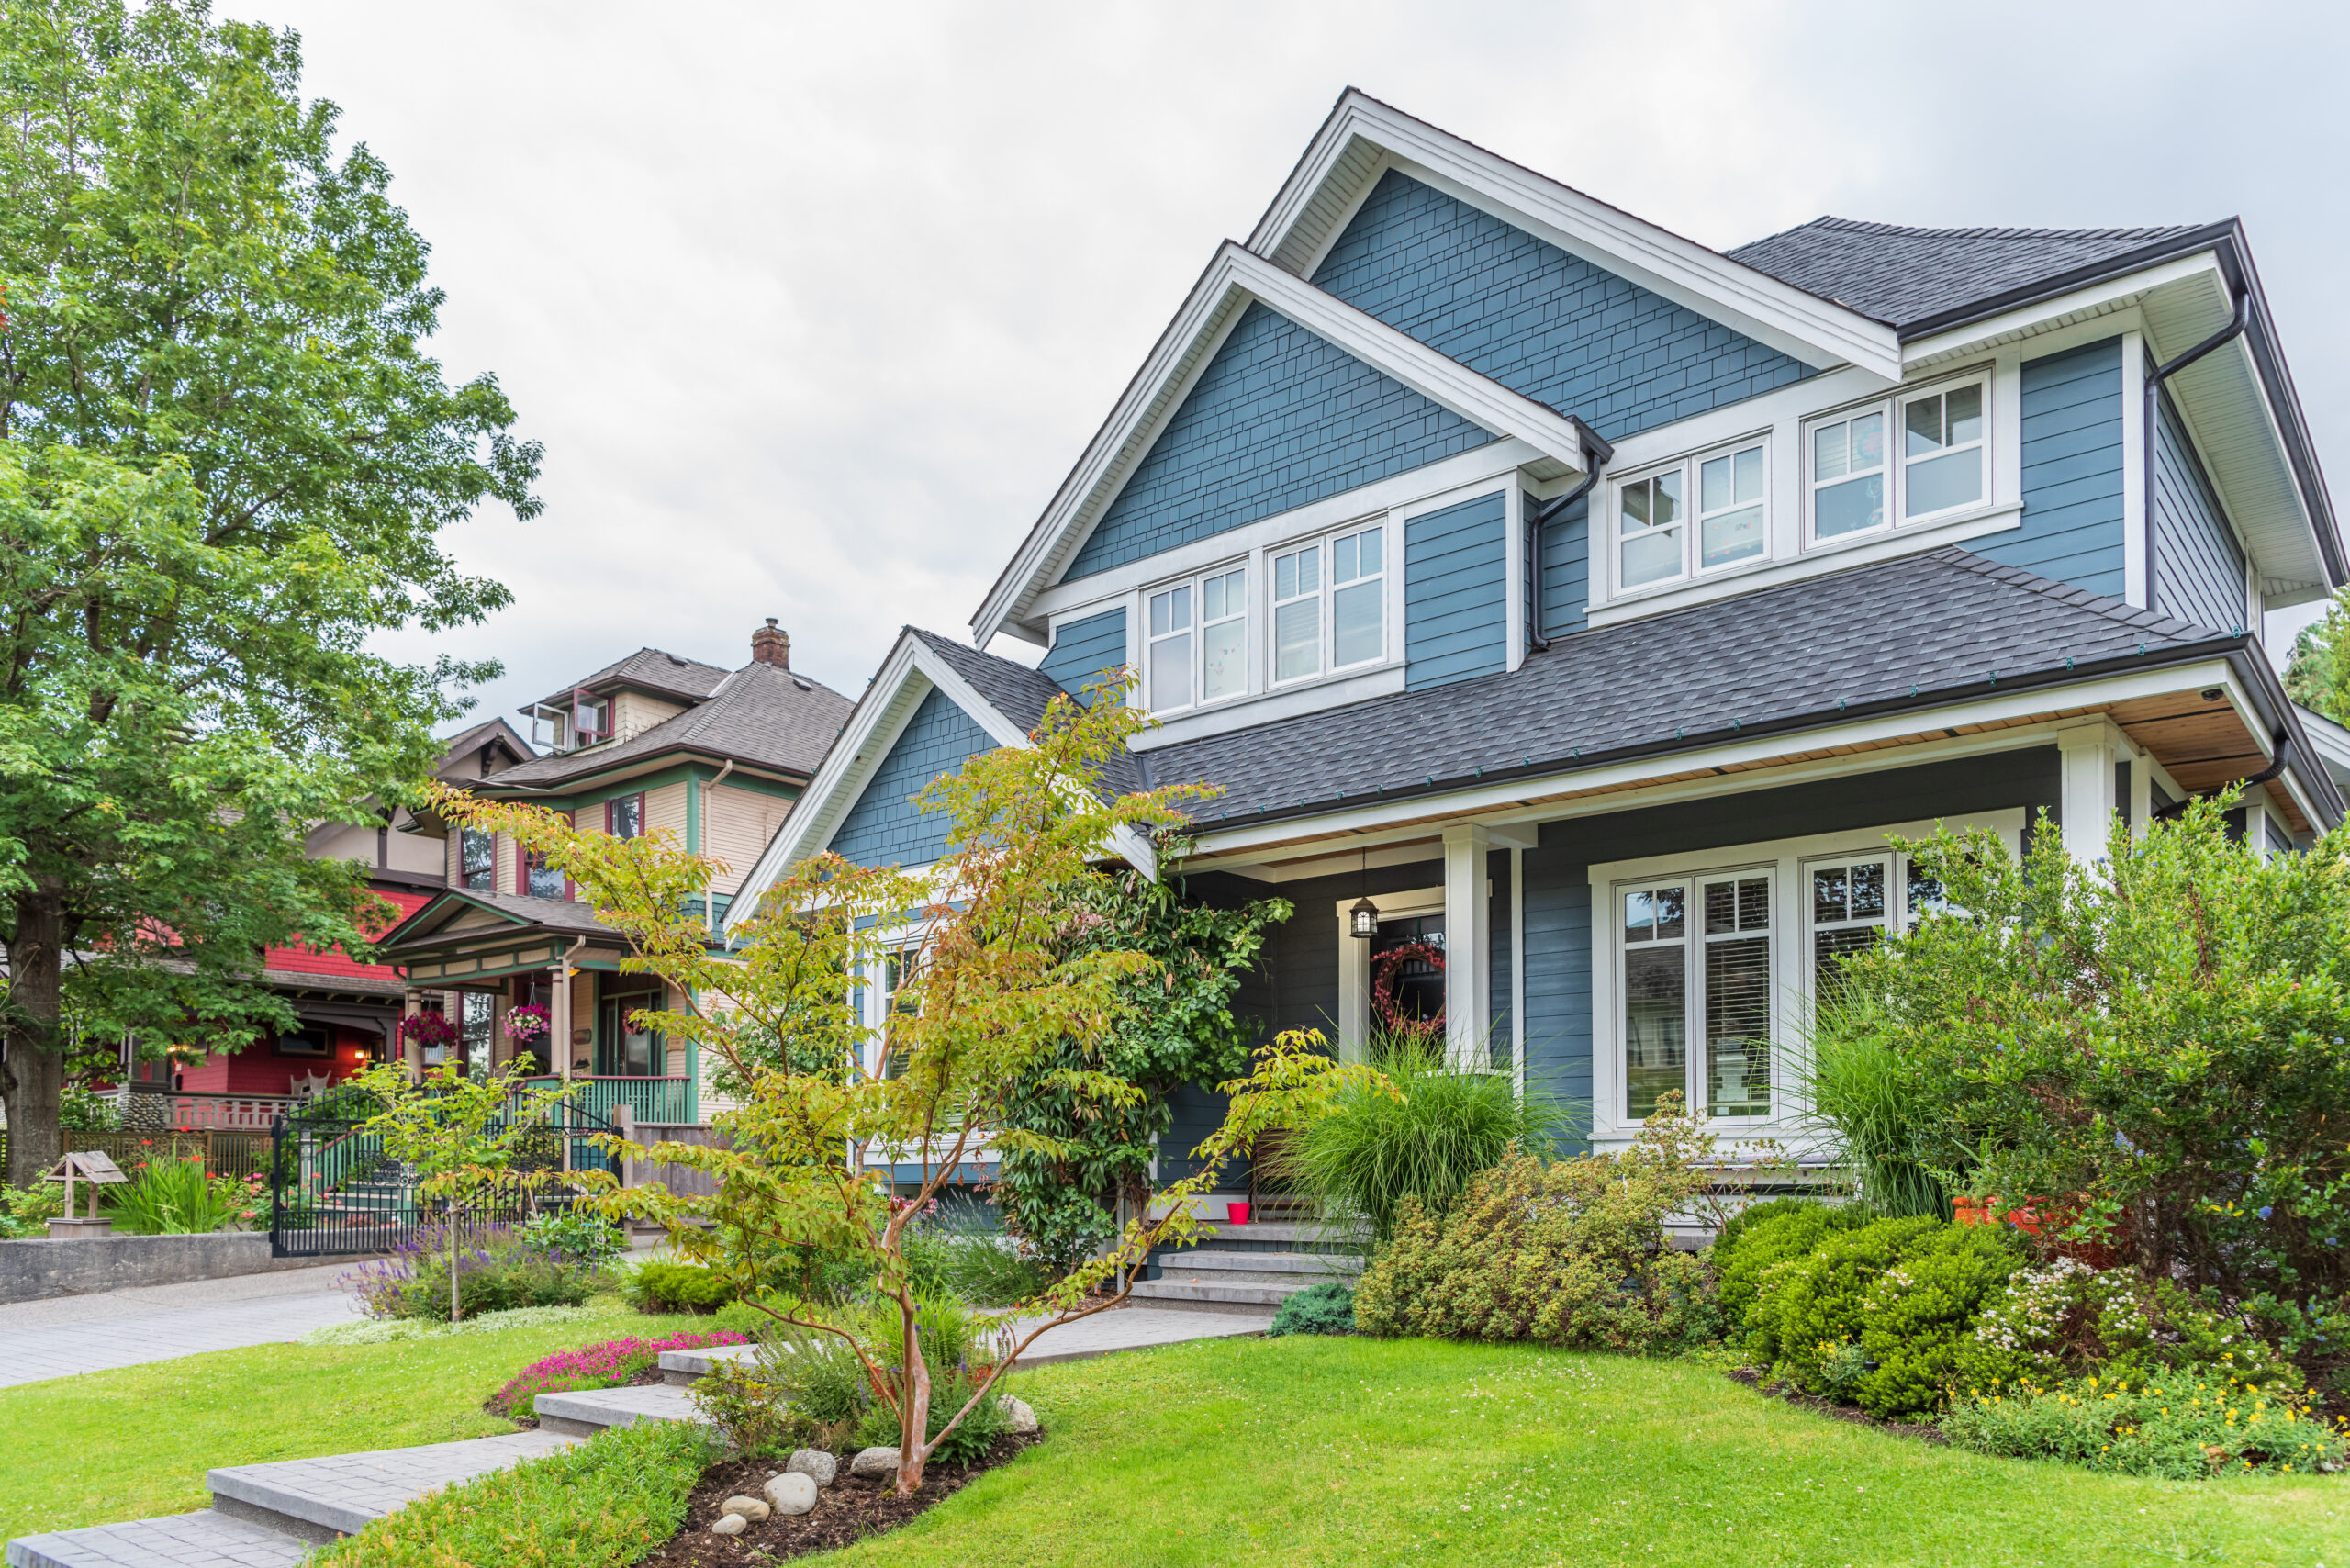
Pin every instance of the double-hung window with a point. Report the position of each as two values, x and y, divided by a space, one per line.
1855 898
1197 636
1697 950
478 859
1330 605
624 816
1658 540
1923 454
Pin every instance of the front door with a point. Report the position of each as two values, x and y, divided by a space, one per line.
1407 978
623 1047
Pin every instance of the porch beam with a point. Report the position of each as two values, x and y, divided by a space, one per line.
1468 943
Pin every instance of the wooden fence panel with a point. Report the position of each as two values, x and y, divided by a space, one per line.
678 1178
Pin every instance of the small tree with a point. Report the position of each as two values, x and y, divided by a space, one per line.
465 1138
993 1002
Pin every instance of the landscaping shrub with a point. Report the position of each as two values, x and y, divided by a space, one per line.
1761 1236
751 1413
497 1271
1326 1308
607 1365
1917 1317
608 1501
578 1234
1811 1304
2067 1320
175 1197
950 1387
1425 1139
676 1287
27 1210
1571 1253
960 1251
2182 1425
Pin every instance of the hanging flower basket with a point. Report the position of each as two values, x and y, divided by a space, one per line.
525 1025
430 1031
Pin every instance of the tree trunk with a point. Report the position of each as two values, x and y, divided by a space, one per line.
33 1076
913 1409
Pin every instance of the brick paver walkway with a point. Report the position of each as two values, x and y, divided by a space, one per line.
64 1335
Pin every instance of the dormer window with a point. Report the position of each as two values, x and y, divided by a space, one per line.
1330 605
1655 539
1197 634
1858 483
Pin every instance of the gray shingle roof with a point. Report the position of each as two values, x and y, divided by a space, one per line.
761 715
1912 633
1907 275
1020 694
648 669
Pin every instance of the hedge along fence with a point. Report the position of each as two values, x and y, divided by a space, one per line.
224 1153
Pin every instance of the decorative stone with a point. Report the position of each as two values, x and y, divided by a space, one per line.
749 1507
731 1524
874 1464
814 1463
792 1494
1024 1419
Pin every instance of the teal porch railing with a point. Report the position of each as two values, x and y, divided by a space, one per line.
647 1098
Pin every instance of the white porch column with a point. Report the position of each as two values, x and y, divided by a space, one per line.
1468 944
2085 793
1354 990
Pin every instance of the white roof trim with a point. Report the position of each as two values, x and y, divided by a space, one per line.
1231 280
1297 228
910 673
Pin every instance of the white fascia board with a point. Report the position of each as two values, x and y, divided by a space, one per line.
2111 295
1803 326
1233 279
1506 802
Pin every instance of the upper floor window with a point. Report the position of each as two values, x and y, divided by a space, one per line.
1197 634
1858 482
1655 541
476 858
624 816
534 878
1330 605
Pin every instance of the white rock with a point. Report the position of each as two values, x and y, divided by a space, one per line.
732 1524
749 1507
813 1463
1024 1419
874 1464
792 1494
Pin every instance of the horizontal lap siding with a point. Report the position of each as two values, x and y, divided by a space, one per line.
1083 649
1280 417
2071 526
1558 937
1456 592
1566 570
2198 571
884 828
1543 323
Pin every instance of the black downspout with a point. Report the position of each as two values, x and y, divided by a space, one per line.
1591 463
2154 379
2283 743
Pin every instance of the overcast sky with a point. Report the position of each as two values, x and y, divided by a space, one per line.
814 305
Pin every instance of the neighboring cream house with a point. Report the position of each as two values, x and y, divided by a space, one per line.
654 742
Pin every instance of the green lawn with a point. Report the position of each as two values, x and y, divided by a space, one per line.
126 1444
1284 1452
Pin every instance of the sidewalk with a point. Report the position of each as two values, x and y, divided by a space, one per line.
64 1335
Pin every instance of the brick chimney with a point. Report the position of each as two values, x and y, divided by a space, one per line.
771 645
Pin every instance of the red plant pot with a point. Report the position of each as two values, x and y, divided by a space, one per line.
1237 1213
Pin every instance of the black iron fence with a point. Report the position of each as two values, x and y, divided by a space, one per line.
335 1189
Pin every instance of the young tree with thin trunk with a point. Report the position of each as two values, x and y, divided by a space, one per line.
225 462
993 996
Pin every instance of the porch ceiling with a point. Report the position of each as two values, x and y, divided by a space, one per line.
2203 743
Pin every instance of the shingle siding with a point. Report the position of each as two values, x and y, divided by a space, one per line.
1082 649
1280 417
1456 592
884 828
2198 570
1543 323
2072 527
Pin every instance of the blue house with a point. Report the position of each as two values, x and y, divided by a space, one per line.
1599 609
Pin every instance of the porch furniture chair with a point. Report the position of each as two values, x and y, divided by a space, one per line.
309 1085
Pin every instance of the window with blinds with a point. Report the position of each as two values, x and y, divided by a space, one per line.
1737 997
1725 983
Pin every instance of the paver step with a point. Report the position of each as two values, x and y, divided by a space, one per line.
1243 1295
177 1541
1321 1265
681 1368
318 1499
1289 1233
589 1411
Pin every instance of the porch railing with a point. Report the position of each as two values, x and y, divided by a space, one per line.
662 1100
177 1111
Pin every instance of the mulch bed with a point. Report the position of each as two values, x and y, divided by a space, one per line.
1829 1408
846 1511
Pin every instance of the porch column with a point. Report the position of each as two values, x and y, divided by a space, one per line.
559 1022
2085 793
1468 944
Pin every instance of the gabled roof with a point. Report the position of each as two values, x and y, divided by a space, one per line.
1915 633
763 715
1916 278
1020 695
647 669
556 914
472 739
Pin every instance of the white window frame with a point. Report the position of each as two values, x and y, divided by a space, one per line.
1196 629
1325 546
1893 408
1789 862
1692 943
1691 466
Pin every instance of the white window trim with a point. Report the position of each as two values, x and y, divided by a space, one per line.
1142 639
1786 859
1891 406
1391 578
1691 465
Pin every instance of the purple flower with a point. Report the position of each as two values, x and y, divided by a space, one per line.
2263 1211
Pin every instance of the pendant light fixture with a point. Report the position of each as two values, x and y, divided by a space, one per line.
1365 913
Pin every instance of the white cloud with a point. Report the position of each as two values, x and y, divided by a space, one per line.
814 305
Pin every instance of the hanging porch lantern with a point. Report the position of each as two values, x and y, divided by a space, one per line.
1365 918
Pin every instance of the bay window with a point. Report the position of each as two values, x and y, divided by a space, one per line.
1856 483
1655 539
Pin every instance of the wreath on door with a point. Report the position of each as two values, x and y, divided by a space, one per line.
1389 1006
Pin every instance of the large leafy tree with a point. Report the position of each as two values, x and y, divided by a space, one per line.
225 462
2319 674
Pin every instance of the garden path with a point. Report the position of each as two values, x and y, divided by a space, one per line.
64 1335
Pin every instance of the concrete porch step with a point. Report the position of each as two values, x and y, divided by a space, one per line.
1239 1296
177 1541
1286 1233
589 1411
1320 1265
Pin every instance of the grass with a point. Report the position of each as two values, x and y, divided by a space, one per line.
1302 1451
137 1441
